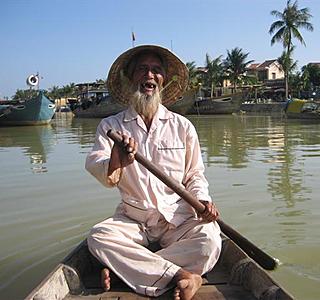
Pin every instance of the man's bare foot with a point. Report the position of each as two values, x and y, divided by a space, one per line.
187 285
105 279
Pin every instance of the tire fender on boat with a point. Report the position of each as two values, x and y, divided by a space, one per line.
32 80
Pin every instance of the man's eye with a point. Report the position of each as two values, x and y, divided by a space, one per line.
157 70
142 68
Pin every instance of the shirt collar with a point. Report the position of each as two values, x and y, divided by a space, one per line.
162 114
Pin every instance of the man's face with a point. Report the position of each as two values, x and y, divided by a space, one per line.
148 74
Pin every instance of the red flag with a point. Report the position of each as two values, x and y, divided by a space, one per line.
133 36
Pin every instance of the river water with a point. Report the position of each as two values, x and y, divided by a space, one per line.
263 174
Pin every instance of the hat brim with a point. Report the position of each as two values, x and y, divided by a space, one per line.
176 75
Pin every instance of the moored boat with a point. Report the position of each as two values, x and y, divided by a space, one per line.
38 110
235 276
303 109
225 104
97 103
185 103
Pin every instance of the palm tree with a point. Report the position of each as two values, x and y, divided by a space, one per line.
287 27
214 73
193 75
55 92
25 94
290 21
236 65
288 65
311 76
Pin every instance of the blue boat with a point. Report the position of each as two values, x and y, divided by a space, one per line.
35 111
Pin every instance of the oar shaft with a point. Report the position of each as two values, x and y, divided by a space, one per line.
252 250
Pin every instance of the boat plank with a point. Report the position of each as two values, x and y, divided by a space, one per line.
235 277
206 292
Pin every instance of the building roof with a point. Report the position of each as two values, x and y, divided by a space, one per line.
314 64
253 66
262 66
266 64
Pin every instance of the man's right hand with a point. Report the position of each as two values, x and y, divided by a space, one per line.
123 155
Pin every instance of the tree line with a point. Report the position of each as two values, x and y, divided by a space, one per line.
234 67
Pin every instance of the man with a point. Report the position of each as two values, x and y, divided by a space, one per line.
145 78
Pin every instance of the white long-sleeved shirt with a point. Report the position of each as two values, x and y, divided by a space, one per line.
172 144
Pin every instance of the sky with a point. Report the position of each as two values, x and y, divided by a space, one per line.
76 41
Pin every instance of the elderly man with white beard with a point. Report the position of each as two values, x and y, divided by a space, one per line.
146 78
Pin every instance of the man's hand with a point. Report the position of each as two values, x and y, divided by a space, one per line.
210 213
123 155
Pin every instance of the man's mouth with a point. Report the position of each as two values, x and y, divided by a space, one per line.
148 86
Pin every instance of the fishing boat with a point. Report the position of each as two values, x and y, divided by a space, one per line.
38 110
235 276
225 104
302 109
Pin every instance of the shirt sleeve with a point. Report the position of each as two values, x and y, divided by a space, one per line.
97 161
194 179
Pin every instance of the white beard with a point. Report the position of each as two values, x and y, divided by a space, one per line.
146 105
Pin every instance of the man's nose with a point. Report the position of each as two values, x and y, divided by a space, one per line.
149 73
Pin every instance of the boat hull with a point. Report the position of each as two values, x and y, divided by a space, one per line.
226 104
235 276
304 115
185 103
303 109
103 109
109 106
36 111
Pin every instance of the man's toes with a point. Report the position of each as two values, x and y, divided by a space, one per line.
176 294
105 279
183 283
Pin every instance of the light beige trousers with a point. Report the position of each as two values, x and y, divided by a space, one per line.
120 244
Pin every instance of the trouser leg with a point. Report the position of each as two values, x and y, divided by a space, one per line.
193 246
119 243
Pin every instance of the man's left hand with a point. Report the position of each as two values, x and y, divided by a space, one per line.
210 213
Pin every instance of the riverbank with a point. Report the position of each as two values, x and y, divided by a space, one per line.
263 108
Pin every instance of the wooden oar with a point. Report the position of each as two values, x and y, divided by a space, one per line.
262 258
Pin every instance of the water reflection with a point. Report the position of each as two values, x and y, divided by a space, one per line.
85 129
35 142
278 149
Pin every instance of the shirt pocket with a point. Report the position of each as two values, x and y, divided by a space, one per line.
171 155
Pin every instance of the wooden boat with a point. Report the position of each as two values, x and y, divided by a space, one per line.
302 109
235 276
99 104
225 104
185 103
35 111
95 103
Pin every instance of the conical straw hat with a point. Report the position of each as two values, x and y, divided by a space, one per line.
176 74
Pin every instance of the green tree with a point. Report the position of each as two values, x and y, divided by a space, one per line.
68 90
214 73
193 75
288 65
25 94
55 92
297 84
236 65
311 76
287 27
